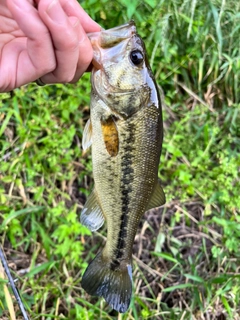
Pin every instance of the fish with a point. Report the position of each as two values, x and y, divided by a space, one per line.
125 132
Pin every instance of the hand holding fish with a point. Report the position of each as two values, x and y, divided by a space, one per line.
43 39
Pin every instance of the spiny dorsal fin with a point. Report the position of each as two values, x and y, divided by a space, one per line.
158 197
92 215
87 136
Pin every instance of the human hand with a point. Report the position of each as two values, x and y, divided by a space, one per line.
47 42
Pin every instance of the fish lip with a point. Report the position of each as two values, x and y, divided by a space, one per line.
96 65
125 27
100 39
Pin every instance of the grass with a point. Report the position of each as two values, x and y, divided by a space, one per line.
186 254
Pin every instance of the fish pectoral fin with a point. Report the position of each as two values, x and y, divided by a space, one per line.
87 135
92 216
158 197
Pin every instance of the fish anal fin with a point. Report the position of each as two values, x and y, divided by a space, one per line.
158 197
87 135
115 286
92 216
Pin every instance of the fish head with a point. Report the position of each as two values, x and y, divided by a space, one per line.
121 75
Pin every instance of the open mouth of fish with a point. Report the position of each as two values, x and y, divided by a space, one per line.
113 42
110 39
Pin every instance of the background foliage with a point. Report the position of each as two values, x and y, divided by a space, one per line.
187 257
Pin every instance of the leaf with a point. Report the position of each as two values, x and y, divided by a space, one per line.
194 278
221 279
131 7
227 306
179 286
46 265
160 241
165 256
15 214
5 122
151 3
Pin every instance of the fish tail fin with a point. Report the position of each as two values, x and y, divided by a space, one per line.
113 283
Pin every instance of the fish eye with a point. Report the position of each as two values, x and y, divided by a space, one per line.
136 57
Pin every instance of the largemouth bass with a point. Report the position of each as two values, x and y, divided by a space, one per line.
125 131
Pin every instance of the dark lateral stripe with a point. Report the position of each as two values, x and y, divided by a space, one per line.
126 190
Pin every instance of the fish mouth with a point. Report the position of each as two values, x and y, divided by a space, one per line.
110 41
112 36
106 44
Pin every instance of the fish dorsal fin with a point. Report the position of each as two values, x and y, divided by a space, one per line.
87 136
92 215
158 197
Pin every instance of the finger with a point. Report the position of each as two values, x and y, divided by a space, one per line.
67 36
36 56
73 8
84 59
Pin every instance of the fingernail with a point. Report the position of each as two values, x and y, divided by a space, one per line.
56 12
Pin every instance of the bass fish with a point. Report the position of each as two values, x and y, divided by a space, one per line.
125 131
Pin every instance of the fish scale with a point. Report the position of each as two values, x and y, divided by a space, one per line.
125 131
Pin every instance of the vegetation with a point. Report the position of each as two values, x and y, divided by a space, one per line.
187 254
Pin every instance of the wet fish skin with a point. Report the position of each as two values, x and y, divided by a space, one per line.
126 132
